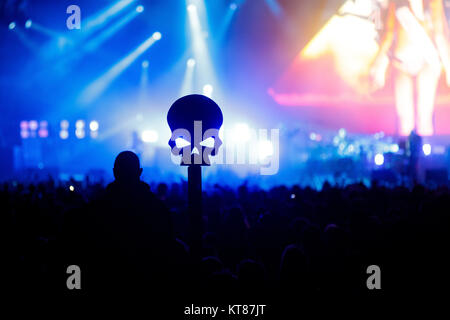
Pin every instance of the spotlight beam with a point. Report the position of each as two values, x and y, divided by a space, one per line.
200 49
95 89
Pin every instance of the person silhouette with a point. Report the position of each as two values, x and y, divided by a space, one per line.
128 234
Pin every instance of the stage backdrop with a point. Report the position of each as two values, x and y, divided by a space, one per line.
329 79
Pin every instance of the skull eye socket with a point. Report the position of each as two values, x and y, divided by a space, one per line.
208 143
181 142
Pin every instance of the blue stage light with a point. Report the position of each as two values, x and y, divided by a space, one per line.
156 35
191 7
149 136
140 9
96 88
93 125
208 90
426 148
12 25
190 63
145 64
379 159
28 24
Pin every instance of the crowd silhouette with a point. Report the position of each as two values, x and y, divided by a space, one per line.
286 241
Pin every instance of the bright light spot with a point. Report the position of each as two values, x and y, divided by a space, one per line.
192 7
342 133
64 124
71 188
28 24
43 133
336 140
312 136
156 35
241 133
265 149
145 64
12 25
426 149
207 90
79 133
293 196
79 124
23 125
379 159
233 6
149 136
140 9
181 143
209 142
24 134
351 148
33 125
93 125
63 134
395 148
190 63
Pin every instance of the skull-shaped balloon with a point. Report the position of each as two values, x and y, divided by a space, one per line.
195 121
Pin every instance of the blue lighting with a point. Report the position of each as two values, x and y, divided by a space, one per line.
28 24
140 9
12 25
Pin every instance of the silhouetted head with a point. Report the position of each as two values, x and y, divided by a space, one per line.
127 167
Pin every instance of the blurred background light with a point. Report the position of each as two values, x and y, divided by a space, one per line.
149 136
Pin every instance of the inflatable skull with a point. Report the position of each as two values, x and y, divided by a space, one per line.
195 121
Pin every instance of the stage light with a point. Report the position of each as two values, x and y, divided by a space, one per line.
64 134
379 159
97 21
395 148
312 136
241 133
79 124
342 133
43 133
12 25
145 64
93 125
72 188
96 42
96 88
190 62
156 35
293 196
149 136
265 149
198 27
33 125
24 134
426 148
64 124
79 133
23 125
207 90
140 9
28 24
191 7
